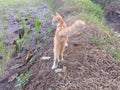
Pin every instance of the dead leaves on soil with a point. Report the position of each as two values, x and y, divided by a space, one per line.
28 57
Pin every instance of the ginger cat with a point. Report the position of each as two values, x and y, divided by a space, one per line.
61 36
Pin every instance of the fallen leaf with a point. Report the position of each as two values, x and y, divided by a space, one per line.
13 77
29 55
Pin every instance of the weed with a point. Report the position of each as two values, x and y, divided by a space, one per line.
94 40
3 46
111 38
112 50
19 44
1 40
26 34
8 57
50 3
3 64
50 30
115 53
54 4
89 7
23 79
25 28
37 27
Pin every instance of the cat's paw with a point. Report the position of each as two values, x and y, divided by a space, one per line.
66 44
54 66
62 59
58 60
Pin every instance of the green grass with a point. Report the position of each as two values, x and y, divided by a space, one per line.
51 4
3 46
90 8
26 34
37 27
19 44
8 6
92 13
15 4
114 52
94 40
3 64
111 39
50 30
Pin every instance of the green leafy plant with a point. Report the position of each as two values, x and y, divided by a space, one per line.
23 79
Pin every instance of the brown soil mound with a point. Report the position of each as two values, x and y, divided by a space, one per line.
86 67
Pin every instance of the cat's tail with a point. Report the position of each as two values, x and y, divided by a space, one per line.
74 28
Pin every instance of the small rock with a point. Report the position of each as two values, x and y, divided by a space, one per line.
64 68
119 35
59 70
45 58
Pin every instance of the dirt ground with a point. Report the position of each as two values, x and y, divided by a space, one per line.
86 65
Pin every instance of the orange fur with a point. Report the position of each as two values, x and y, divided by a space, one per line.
61 36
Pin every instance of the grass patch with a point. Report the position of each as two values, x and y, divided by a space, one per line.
112 50
52 4
94 40
37 27
115 53
19 44
26 34
15 4
23 79
50 30
90 8
111 39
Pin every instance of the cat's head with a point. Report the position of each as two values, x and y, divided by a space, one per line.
56 19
